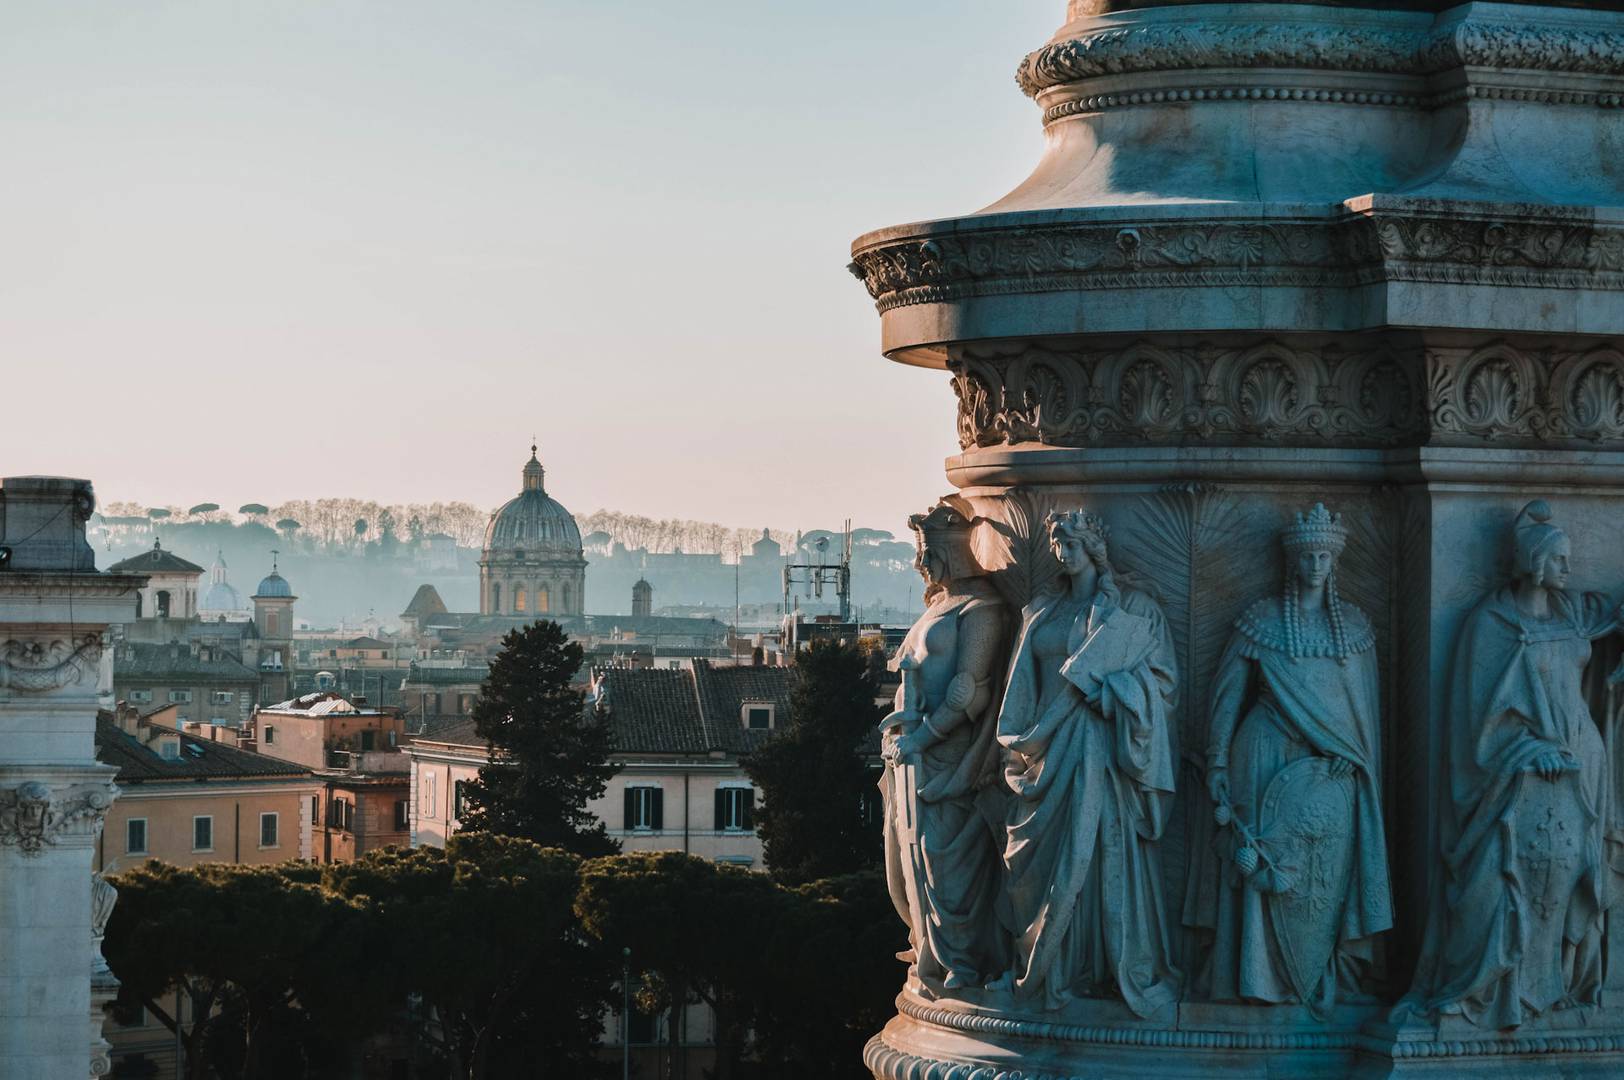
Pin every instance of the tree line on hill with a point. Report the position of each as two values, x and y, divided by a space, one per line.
502 954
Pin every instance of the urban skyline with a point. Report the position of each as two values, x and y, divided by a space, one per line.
366 250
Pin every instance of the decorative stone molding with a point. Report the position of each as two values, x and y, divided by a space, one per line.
1385 393
1497 393
1388 48
1145 393
35 814
41 666
1358 249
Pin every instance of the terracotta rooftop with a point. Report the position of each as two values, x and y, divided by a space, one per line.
200 759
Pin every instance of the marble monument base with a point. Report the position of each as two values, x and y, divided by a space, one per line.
1094 1040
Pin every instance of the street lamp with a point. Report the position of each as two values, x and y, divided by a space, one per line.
626 1014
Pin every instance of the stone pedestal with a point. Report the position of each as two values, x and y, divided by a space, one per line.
1275 255
54 795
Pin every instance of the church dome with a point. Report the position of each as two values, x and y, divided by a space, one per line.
532 523
220 597
274 585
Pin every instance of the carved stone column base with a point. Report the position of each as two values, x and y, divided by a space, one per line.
953 1041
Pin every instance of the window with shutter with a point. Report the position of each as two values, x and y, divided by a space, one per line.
735 808
645 809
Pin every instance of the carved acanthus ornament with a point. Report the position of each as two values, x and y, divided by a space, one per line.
1147 393
39 667
35 815
1385 394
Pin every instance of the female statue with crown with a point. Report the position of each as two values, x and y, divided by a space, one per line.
1090 760
1516 921
1301 884
941 858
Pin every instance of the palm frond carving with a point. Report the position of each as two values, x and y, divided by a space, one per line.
1189 542
1013 543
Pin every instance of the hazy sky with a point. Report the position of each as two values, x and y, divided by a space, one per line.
255 251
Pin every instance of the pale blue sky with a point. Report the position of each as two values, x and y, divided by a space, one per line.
254 251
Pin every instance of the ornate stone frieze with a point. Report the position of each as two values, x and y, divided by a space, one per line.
1502 394
1318 45
40 666
1384 394
35 814
1561 254
1145 393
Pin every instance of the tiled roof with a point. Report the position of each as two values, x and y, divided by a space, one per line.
473 674
138 660
654 710
723 692
364 642
320 703
661 711
426 601
156 561
582 625
199 758
456 730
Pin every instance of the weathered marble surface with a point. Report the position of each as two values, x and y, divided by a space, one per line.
1276 255
1089 760
940 773
54 795
1294 888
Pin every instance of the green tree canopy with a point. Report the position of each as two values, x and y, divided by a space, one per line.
813 777
483 932
696 930
548 757
271 965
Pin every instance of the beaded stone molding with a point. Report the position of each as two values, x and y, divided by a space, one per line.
1384 47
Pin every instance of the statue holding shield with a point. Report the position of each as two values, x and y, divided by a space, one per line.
1292 769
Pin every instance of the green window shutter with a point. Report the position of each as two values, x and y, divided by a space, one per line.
721 809
631 809
748 814
657 810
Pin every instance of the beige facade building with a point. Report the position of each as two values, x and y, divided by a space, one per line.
323 729
187 799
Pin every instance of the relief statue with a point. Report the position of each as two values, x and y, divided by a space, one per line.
942 804
1292 769
1516 925
1090 760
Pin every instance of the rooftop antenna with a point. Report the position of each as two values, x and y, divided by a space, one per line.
816 575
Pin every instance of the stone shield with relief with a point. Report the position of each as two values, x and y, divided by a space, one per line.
1306 827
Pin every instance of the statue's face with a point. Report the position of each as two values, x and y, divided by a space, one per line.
932 566
1314 566
1553 570
1071 553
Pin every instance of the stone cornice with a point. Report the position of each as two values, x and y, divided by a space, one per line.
1356 249
1387 47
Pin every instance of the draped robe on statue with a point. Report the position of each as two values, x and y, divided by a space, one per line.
1517 929
943 883
1314 705
1092 775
